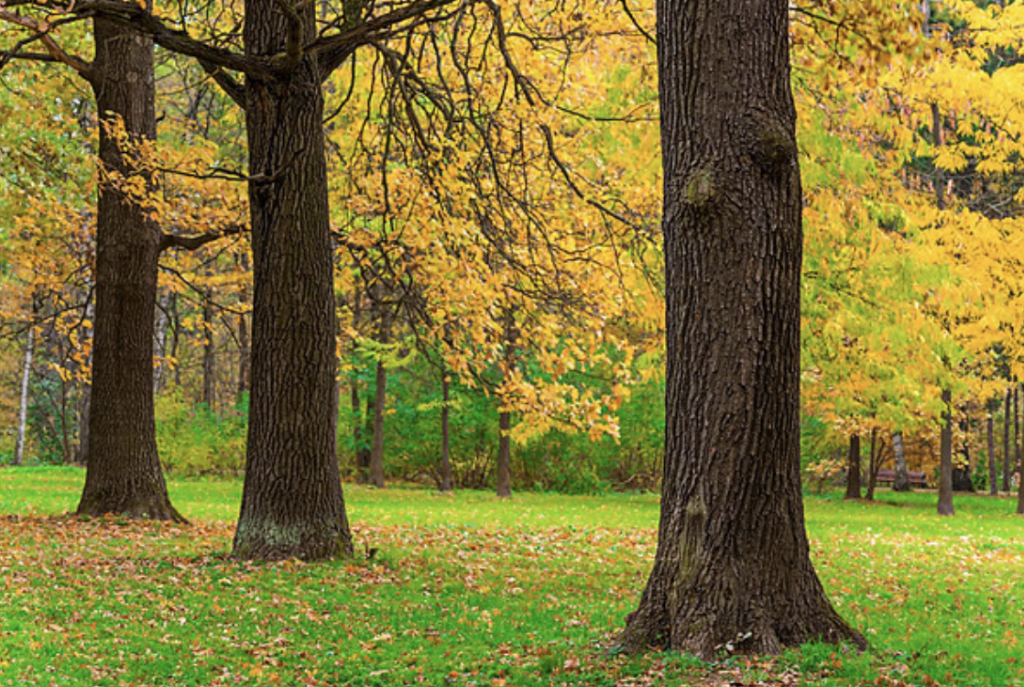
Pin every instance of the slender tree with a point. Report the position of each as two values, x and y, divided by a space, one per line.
732 568
945 506
899 457
1006 443
993 478
853 469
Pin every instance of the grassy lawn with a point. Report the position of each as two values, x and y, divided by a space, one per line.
467 590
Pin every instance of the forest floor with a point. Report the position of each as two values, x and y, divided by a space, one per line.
469 590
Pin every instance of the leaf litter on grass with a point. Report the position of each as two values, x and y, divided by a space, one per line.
113 602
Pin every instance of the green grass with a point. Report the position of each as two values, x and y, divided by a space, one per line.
469 590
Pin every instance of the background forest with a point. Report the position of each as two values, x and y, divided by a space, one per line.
498 283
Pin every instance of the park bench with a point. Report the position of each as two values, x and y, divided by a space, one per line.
889 476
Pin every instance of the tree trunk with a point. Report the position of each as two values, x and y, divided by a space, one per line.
902 480
503 480
123 473
1006 443
84 401
243 339
874 462
446 463
853 468
946 457
377 451
993 484
209 353
1020 488
732 569
163 323
1016 432
26 373
292 501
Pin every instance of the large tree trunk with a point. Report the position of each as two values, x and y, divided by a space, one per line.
123 473
292 502
899 458
732 569
946 457
853 468
26 373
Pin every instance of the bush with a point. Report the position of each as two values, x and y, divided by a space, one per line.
193 440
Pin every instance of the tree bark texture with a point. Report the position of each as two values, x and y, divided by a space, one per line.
732 569
123 473
945 506
899 458
292 501
853 469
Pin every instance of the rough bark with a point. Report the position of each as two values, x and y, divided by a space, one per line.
853 468
732 569
902 480
945 506
292 501
123 474
26 372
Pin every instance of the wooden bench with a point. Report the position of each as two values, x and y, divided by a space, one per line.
889 476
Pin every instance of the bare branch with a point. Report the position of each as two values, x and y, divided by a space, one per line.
642 30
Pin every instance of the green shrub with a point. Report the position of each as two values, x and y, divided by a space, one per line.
193 440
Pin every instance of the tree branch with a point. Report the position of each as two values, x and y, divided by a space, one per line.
42 29
335 49
194 242
175 40
228 83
